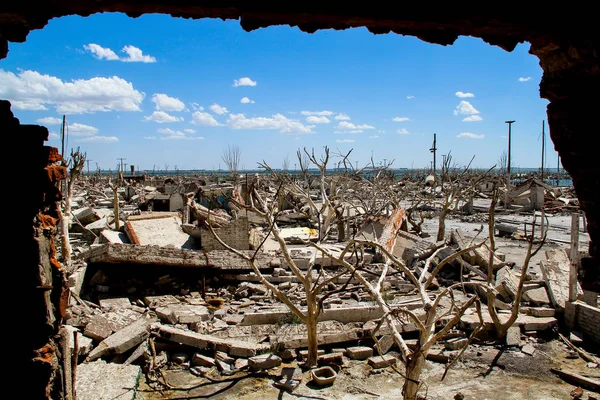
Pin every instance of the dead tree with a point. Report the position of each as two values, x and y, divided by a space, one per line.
75 165
501 326
314 283
231 157
414 360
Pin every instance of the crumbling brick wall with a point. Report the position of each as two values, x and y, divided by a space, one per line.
584 318
236 234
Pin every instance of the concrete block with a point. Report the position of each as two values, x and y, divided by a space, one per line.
114 303
92 383
384 361
240 364
303 354
202 360
263 361
99 328
513 336
166 315
528 349
160 301
456 343
188 314
122 340
538 323
359 352
539 311
385 344
537 296
331 358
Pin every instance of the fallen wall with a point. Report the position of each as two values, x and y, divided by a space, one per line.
585 318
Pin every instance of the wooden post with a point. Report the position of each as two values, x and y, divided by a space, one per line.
574 256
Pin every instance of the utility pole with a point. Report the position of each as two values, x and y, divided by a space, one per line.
62 136
509 134
121 160
543 150
557 169
88 166
433 150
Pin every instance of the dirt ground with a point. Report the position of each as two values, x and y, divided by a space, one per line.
516 375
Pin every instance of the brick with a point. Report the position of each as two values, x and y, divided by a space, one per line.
359 352
384 361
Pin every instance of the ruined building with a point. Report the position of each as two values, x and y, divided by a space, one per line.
566 41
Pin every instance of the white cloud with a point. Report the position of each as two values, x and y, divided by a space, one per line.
101 53
342 117
345 141
521 79
177 137
317 120
401 119
81 129
402 131
472 118
197 107
217 109
244 82
373 137
49 121
246 100
30 90
150 137
350 125
463 94
469 135
162 117
410 97
350 131
277 121
135 55
100 139
166 103
170 132
188 130
464 107
319 113
204 119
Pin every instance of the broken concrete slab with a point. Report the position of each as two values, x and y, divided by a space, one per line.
359 352
555 271
536 296
263 361
479 256
113 303
386 360
109 236
232 347
131 254
202 360
513 336
122 340
91 382
157 231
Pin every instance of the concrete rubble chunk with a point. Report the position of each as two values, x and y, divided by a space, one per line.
331 359
122 340
555 271
240 364
84 343
235 348
263 361
513 336
359 352
456 343
536 296
507 283
86 215
377 362
385 344
160 301
203 361
160 232
528 349
114 303
92 382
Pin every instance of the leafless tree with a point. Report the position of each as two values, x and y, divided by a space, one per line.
75 165
231 157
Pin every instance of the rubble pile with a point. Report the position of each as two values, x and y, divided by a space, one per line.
151 286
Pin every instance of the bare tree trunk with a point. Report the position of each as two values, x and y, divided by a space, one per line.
311 327
341 224
116 208
441 234
414 367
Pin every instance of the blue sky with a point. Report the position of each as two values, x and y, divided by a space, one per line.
162 91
